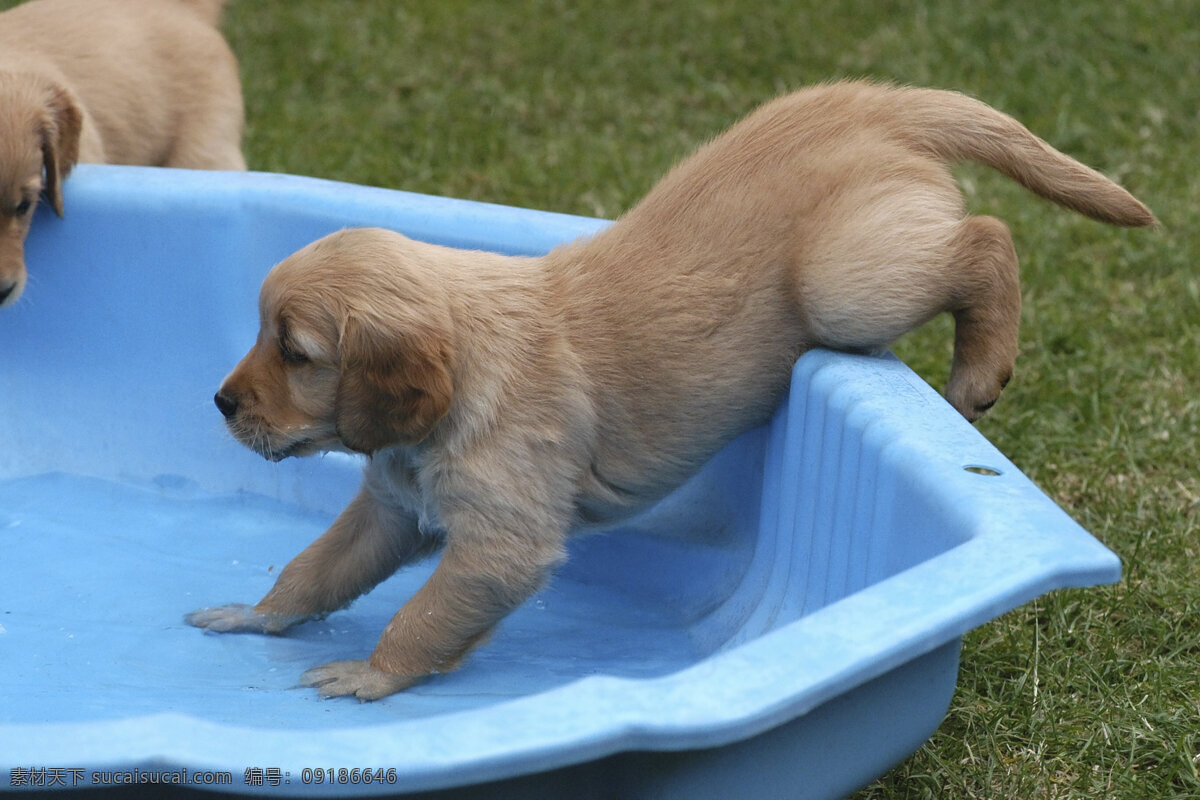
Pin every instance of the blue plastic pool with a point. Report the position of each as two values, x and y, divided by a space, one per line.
787 624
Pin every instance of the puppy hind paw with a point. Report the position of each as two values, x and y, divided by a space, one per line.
240 618
974 398
358 678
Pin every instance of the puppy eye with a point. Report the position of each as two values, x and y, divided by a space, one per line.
23 207
292 356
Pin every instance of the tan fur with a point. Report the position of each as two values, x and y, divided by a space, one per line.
148 82
505 400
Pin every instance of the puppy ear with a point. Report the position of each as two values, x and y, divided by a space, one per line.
60 142
393 387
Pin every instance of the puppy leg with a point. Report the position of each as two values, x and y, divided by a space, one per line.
471 590
210 131
987 315
216 153
210 112
365 544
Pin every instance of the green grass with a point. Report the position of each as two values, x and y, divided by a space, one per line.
580 107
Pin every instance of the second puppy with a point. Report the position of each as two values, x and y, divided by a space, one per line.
149 82
505 400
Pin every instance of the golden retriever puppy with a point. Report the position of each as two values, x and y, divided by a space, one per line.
148 82
504 401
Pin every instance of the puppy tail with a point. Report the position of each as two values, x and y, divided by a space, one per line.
955 127
208 10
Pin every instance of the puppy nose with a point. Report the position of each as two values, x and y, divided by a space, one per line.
6 289
227 404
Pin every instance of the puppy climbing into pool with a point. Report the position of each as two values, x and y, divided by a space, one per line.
148 82
503 401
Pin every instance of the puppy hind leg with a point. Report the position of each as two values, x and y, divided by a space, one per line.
223 154
878 263
987 315
210 134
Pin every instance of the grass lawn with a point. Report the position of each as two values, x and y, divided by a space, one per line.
581 107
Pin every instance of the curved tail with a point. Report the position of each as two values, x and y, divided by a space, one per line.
955 127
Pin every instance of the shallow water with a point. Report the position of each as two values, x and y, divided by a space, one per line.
97 575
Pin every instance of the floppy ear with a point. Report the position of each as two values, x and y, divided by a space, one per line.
60 142
393 387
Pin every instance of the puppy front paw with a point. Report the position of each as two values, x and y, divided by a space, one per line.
241 618
358 678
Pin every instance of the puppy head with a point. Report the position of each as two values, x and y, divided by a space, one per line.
353 353
39 143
